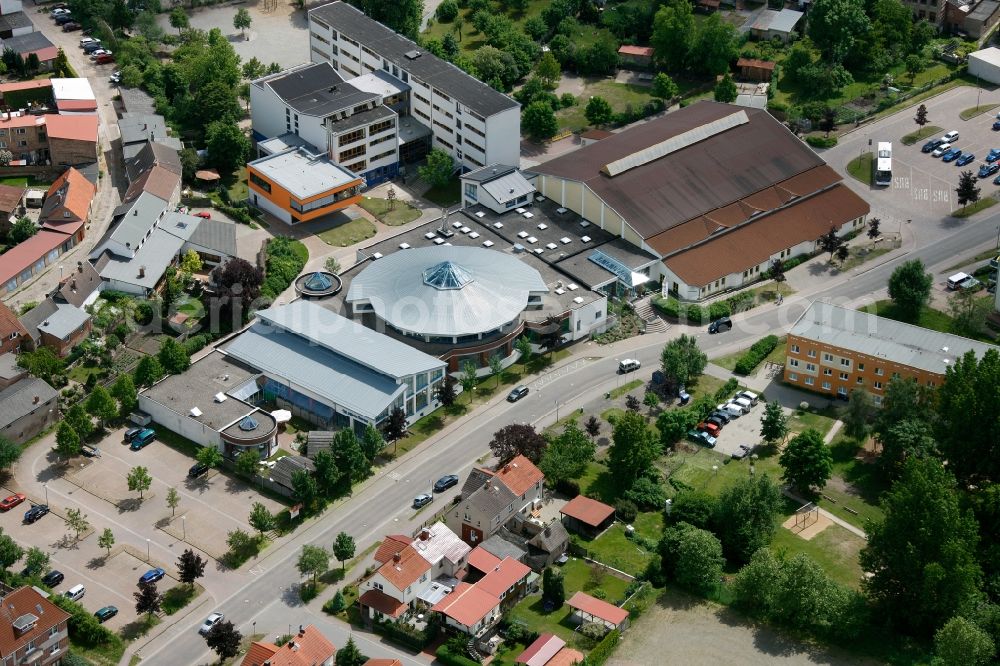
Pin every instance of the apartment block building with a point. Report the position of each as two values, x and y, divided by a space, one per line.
833 350
312 107
932 11
467 118
33 630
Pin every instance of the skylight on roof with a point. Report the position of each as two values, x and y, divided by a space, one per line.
447 275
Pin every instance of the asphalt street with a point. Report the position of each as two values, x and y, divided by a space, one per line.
382 506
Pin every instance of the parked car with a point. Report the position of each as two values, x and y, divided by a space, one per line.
59 11
115 78
719 325
88 40
703 438
744 403
197 470
35 513
987 170
445 482
210 621
63 19
716 421
423 499
152 575
722 416
710 428
10 502
98 51
106 613
952 155
941 150
145 436
996 181
731 410
131 434
204 214
75 593
950 136
628 365
971 284
517 393
993 155
71 26
967 158
996 126
931 145
743 451
104 59
90 451
749 395
53 578
90 47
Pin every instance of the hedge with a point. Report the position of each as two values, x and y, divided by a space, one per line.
823 141
285 260
602 651
449 658
757 353
413 639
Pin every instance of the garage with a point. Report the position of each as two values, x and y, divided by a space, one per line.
985 65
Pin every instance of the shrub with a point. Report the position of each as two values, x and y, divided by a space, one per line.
718 310
647 494
603 650
626 510
823 141
567 100
241 215
447 655
195 344
757 353
447 11
695 314
667 305
568 487
727 389
594 630
740 302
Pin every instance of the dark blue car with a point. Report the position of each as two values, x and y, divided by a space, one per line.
152 575
951 155
987 170
993 155
996 126
965 159
931 145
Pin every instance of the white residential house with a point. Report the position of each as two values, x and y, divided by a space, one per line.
470 120
395 587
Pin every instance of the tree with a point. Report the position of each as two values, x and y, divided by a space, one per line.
910 288
139 480
745 516
567 456
829 121
553 588
179 20
922 554
304 489
242 20
445 392
332 265
77 521
227 145
225 639
914 65
496 367
539 121
967 191
673 424
246 463
350 459
190 567
598 111
725 90
10 552
517 439
673 34
651 400
774 423
209 456
261 519
859 413
973 453
682 361
147 599
664 87
830 242
149 370
42 363
173 357
67 441
716 45
496 68
123 390
843 252
372 442
22 230
101 405
632 403
960 643
836 25
350 655
343 548
438 169
36 561
173 500
694 507
191 262
548 69
921 117
469 376
633 450
777 270
903 440
5 155
874 230
239 286
807 461
313 561
593 427
692 557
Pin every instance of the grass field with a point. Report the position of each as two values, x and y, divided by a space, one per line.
859 255
348 233
860 168
835 549
613 549
619 95
969 114
929 318
401 213
776 356
921 134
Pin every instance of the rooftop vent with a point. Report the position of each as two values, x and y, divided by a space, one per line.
195 412
412 55
220 397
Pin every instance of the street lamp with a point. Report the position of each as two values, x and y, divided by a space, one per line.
46 486
147 550
557 410
184 526
254 632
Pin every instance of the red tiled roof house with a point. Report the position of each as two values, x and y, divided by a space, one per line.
31 625
12 333
636 57
469 609
307 648
492 498
393 590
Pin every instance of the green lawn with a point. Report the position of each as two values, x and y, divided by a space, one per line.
445 195
348 233
800 421
969 114
982 256
25 181
972 209
861 167
192 307
401 213
619 95
921 134
835 549
626 388
860 255
613 549
596 482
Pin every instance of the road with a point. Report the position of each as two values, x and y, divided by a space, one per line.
382 505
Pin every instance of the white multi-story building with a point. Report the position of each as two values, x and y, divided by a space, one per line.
311 106
470 120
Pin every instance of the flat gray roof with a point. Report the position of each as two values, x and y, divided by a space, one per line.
8 366
315 89
197 387
284 142
893 341
303 174
362 119
66 320
380 83
217 235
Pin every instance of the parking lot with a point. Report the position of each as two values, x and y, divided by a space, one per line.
742 430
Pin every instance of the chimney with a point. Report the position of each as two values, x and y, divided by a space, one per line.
135 212
142 271
425 534
35 400
396 558
302 630
506 468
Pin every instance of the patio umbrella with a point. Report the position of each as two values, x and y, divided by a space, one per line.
282 415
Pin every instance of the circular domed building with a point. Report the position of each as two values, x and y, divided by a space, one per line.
462 303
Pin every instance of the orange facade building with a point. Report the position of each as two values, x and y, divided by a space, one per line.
296 186
833 350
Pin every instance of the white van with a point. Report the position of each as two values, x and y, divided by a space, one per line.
956 280
628 365
744 403
752 397
729 409
75 593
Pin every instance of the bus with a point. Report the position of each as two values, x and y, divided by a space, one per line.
883 164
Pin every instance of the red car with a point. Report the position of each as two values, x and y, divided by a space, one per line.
710 428
104 59
204 215
11 502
